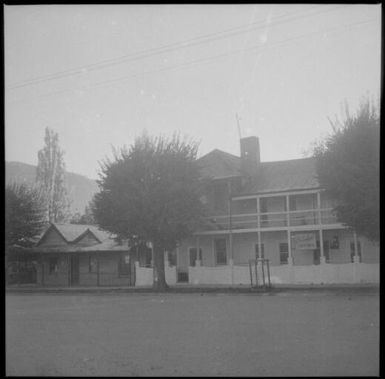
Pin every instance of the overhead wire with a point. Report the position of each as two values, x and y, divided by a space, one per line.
203 60
161 50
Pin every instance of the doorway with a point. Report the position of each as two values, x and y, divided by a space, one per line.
74 270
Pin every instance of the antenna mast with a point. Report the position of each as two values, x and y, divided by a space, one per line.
239 128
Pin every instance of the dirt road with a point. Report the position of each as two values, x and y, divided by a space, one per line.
293 333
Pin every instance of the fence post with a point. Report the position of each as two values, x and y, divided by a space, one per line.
251 273
97 271
69 269
263 273
268 272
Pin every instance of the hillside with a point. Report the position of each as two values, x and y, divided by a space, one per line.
80 188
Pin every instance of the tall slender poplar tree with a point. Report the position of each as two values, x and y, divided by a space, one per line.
50 178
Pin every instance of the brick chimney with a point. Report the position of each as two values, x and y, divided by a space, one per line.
250 156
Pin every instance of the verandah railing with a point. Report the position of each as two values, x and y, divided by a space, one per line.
275 219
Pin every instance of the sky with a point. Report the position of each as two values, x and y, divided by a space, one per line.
99 75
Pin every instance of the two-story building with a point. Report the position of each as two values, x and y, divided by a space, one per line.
272 210
257 210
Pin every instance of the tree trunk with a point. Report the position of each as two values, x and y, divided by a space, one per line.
159 283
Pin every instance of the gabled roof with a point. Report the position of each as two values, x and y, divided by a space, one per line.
278 176
71 233
219 164
290 175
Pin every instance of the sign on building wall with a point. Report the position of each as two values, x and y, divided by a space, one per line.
304 241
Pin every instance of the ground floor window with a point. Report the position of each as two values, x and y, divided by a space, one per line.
257 255
327 250
283 253
182 277
21 272
124 264
352 250
193 255
335 243
172 258
220 251
145 256
53 265
92 264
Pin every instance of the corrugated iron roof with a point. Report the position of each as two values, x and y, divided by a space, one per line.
295 174
108 246
219 164
71 232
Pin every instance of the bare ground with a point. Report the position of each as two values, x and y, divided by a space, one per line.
300 333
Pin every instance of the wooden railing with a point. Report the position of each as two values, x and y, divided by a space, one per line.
274 219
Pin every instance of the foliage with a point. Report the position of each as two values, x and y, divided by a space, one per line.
150 193
84 219
50 174
348 168
24 214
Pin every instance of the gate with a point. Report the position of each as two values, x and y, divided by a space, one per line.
259 273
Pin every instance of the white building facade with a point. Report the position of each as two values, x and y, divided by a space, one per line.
275 211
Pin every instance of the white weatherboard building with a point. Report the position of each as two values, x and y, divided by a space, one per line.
276 211
271 210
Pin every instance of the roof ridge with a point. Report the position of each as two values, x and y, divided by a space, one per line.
288 160
81 236
219 151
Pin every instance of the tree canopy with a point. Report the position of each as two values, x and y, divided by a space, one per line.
150 193
347 164
50 174
24 215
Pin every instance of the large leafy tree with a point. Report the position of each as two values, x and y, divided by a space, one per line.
150 193
50 177
24 215
348 168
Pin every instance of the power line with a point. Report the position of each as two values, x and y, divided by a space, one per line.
123 58
159 50
207 59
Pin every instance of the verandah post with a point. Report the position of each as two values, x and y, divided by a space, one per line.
321 240
259 240
290 257
321 245
231 260
198 257
259 228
